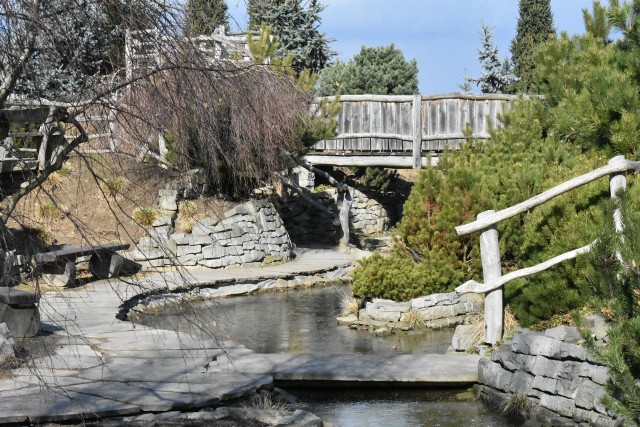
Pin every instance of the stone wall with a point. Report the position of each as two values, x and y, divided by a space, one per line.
249 234
556 381
307 224
434 311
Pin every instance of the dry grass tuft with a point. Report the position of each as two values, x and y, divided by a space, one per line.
50 212
265 400
514 404
113 186
187 209
185 225
510 324
348 304
413 318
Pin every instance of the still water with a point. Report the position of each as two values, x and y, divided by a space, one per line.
305 322
298 322
399 408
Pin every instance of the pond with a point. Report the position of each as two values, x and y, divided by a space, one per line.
298 322
304 322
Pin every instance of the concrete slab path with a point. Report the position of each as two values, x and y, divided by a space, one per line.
102 367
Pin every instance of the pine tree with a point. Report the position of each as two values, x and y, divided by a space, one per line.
296 26
335 80
204 16
378 70
535 25
615 259
497 76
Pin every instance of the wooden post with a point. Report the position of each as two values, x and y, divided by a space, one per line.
128 54
417 131
345 200
491 270
617 182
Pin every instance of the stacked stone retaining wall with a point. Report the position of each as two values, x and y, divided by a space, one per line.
248 234
548 379
307 224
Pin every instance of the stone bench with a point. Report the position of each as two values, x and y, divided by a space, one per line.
19 310
59 266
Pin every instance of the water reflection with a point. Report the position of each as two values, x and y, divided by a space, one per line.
398 408
298 322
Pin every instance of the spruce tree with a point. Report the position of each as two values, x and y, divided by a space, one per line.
497 76
535 25
204 16
296 25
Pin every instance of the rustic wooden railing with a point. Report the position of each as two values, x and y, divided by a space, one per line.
487 221
149 48
403 130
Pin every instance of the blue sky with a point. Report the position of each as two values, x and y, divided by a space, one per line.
442 35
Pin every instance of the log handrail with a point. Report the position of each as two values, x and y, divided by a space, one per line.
490 250
618 166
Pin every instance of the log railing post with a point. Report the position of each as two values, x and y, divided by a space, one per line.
617 182
491 271
417 131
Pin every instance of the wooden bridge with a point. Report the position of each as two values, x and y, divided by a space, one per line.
404 131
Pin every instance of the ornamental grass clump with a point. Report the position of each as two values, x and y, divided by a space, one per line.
145 217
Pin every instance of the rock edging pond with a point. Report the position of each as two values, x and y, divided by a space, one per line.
547 377
435 311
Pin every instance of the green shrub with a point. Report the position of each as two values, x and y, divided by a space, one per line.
379 276
376 178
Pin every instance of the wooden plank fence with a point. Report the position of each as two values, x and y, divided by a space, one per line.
401 130
487 221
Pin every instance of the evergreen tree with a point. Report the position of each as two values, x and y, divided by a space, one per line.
335 80
616 277
296 26
535 25
497 76
204 16
374 70
73 54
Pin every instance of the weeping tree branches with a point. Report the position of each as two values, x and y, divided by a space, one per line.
236 125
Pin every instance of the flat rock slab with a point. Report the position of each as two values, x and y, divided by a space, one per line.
104 367
409 369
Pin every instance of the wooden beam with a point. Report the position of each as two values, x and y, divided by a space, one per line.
396 162
417 131
478 288
375 98
409 98
374 135
617 167
617 183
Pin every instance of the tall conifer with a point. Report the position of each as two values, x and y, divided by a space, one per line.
497 76
204 16
535 25
295 23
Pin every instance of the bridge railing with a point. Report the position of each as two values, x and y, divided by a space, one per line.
403 129
487 221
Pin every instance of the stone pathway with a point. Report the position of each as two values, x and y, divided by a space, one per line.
105 367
